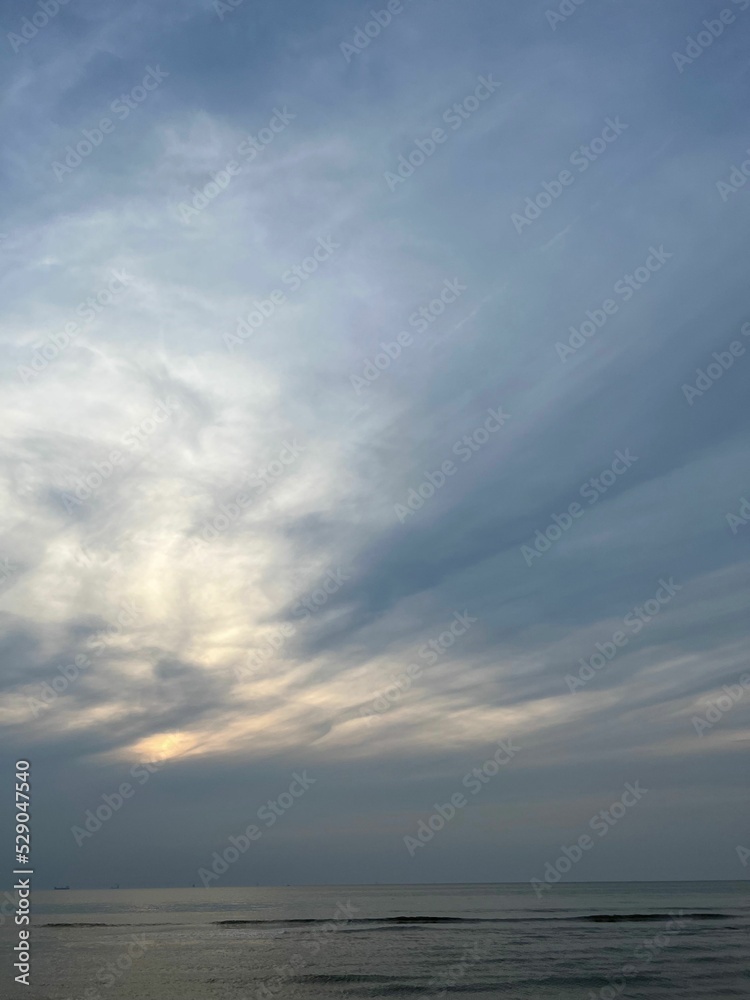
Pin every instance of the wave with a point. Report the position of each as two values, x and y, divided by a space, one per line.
364 920
614 917
421 919
72 924
119 923
405 920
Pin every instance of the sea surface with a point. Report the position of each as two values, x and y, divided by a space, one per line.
605 940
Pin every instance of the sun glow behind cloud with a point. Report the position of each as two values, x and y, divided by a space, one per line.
197 611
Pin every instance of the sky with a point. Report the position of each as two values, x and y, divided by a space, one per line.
375 439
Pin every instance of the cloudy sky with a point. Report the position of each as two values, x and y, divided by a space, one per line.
358 381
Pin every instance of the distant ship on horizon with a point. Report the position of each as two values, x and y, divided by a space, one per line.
60 886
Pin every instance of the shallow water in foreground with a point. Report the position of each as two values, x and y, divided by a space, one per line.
645 941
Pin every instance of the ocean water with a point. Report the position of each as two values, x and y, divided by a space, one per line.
605 940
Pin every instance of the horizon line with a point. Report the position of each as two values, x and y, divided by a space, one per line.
380 885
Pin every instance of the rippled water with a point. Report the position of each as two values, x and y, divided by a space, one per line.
655 940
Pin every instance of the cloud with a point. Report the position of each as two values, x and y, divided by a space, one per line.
250 522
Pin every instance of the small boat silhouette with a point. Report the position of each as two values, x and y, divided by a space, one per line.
61 887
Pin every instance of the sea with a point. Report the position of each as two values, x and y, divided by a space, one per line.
646 941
